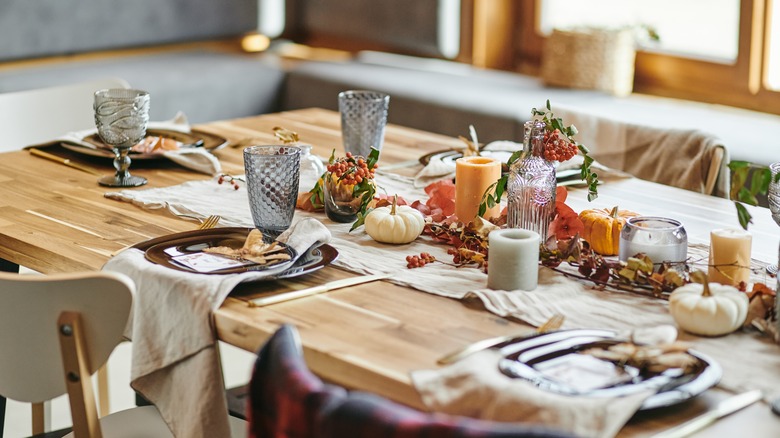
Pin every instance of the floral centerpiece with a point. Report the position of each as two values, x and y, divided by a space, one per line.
347 187
557 144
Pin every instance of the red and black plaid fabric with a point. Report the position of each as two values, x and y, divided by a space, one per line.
288 401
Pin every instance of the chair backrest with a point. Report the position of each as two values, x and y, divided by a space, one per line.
35 116
31 365
286 399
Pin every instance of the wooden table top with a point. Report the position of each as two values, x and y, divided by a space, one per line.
54 218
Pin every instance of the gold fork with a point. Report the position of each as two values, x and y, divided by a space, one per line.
210 222
551 324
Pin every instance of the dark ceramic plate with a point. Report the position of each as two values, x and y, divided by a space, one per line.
528 358
196 240
194 138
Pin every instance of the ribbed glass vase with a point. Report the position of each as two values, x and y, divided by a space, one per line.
531 185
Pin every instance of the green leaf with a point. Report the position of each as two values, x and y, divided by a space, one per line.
515 155
332 158
500 186
558 124
738 178
360 221
738 164
765 177
745 196
549 108
743 215
373 158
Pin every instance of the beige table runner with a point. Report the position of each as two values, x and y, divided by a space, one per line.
749 361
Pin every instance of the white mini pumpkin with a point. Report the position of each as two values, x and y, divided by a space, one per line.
394 223
708 309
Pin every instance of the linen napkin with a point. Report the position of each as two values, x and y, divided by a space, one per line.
197 159
475 387
175 364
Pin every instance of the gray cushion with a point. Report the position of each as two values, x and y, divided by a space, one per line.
496 103
32 28
403 25
206 85
446 97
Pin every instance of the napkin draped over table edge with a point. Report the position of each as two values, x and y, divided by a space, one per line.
197 159
175 364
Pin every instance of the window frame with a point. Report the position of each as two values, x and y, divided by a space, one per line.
740 84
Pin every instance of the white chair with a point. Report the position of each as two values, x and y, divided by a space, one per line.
35 116
55 331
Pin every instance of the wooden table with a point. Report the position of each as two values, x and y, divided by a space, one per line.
55 219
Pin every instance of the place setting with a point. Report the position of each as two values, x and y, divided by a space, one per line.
124 133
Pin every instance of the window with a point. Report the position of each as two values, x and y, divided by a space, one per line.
716 30
717 51
773 48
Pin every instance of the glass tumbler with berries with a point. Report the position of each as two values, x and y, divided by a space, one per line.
348 186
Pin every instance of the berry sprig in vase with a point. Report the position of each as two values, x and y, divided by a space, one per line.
348 186
531 183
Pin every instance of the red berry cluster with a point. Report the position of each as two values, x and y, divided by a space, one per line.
418 261
351 170
557 147
228 178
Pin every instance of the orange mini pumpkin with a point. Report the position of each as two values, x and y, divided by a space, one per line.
602 228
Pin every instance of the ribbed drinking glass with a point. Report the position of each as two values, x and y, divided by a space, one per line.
363 120
272 178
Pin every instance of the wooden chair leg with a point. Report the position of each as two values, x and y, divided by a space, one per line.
41 417
104 404
83 408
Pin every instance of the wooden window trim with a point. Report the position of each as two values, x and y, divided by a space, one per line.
738 84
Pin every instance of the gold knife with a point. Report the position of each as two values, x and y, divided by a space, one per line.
726 407
294 295
65 161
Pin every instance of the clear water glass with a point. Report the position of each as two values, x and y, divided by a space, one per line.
272 178
121 116
363 120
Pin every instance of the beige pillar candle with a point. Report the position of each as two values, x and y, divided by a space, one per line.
729 256
513 257
473 175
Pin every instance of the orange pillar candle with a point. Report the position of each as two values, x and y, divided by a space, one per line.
729 256
473 175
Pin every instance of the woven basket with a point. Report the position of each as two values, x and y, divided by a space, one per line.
590 59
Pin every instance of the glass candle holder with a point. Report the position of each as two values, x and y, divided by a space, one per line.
659 238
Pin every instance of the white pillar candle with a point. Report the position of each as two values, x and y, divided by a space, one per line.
513 259
729 246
